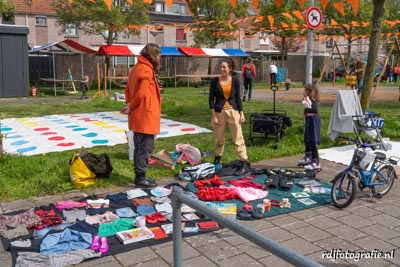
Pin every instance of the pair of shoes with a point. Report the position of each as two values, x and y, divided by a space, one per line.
314 165
307 159
141 181
243 168
217 160
155 218
248 214
103 247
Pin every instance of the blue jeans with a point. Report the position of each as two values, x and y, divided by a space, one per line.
248 87
360 83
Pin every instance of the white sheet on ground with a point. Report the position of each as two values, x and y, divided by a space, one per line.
40 135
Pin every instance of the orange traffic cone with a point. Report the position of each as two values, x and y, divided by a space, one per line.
33 90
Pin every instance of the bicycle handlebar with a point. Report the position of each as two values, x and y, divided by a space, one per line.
356 142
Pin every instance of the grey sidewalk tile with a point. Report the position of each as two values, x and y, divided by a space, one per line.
5 258
327 262
390 209
311 233
301 246
233 238
1 209
239 261
274 261
288 221
278 234
254 250
366 212
164 244
355 221
167 253
380 231
17 205
152 263
394 241
203 239
136 256
322 222
200 261
369 243
101 262
369 262
219 251
330 211
335 243
346 232
305 214
258 225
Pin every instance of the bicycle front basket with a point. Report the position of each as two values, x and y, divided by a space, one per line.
362 158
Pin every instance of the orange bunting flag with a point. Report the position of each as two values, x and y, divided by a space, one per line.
129 1
284 25
148 1
354 5
298 14
286 14
334 23
324 3
300 2
355 23
255 3
271 21
108 3
339 7
233 3
169 3
259 19
278 3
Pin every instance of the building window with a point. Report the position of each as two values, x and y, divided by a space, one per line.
41 21
178 9
329 43
8 18
180 34
70 30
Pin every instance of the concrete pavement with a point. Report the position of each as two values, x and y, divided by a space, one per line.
363 227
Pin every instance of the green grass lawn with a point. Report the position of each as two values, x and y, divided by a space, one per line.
39 175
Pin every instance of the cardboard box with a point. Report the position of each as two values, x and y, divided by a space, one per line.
162 159
227 209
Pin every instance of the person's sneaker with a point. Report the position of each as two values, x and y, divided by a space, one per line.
315 165
304 161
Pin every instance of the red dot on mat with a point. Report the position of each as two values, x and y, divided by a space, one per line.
41 129
49 133
56 138
173 125
65 144
187 129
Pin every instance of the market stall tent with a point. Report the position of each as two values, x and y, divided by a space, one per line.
66 47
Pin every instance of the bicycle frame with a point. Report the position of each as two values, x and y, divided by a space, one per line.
365 175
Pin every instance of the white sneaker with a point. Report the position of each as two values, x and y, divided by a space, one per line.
315 165
304 161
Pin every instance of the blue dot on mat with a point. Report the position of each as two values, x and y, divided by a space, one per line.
19 143
14 136
3 129
72 126
89 135
97 142
163 133
26 149
79 129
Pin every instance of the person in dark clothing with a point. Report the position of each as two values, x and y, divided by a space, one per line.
84 86
248 75
227 110
312 128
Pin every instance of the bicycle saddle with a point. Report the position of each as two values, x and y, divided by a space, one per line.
380 156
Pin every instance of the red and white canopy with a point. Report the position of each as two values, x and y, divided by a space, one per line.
120 50
66 46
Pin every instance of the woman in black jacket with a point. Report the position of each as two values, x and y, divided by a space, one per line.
226 110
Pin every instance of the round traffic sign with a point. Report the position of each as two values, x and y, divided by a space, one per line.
313 17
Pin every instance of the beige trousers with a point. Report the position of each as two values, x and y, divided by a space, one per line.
230 117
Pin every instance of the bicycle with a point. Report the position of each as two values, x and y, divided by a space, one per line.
373 171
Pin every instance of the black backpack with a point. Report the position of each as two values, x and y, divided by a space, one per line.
248 73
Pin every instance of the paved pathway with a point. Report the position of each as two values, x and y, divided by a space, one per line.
364 226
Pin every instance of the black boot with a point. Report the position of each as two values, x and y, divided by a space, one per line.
217 160
243 169
244 99
141 181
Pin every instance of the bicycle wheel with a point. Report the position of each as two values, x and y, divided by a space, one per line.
343 193
388 174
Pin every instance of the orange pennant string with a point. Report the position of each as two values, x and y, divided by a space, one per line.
324 3
286 14
339 7
300 2
255 3
298 14
271 20
233 3
278 3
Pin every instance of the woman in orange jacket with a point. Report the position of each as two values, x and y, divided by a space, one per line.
142 95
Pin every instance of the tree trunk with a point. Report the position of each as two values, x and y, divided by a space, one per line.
376 30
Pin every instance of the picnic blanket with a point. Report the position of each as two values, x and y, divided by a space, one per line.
52 133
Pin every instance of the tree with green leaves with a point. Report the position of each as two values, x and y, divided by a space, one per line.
94 17
212 24
285 28
6 8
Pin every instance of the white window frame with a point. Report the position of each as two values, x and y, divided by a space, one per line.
71 30
44 18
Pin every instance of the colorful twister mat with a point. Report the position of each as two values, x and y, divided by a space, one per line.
32 136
